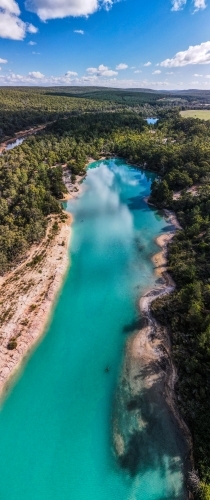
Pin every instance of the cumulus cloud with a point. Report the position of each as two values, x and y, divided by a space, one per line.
11 26
195 54
31 28
197 74
148 63
101 71
31 43
200 4
71 73
138 71
10 6
156 72
80 32
3 61
180 4
121 66
36 74
35 78
52 9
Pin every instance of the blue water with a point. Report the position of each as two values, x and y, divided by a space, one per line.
56 425
14 144
152 121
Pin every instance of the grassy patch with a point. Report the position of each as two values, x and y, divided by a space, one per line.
202 114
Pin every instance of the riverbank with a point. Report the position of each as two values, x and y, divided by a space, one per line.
148 369
75 188
27 296
22 134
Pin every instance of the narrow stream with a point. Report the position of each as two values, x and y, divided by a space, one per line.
15 143
56 426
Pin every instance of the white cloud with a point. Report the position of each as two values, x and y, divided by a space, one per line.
138 71
3 61
207 76
32 29
170 73
148 63
52 9
10 6
178 4
121 66
71 73
101 71
35 78
31 43
11 26
156 72
195 54
91 70
36 74
199 4
197 74
80 32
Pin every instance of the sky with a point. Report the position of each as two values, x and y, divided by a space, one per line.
158 44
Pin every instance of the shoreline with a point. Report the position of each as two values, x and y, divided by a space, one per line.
156 338
23 134
148 365
28 294
38 279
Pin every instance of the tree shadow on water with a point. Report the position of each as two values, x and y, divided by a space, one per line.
136 324
152 437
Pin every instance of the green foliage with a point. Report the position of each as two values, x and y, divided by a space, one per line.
204 491
29 192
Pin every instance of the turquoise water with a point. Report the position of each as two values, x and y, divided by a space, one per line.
56 425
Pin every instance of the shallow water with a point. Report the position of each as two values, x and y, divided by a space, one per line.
14 144
152 121
56 426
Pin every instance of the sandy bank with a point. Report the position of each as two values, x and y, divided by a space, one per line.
22 134
75 188
27 295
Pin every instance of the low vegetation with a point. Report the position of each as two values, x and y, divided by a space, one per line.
202 114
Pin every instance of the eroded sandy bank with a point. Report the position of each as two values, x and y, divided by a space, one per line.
27 296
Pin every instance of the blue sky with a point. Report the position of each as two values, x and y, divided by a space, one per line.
160 44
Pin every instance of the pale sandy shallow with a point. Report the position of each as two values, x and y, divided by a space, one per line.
27 296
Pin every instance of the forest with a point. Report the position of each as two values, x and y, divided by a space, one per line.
25 107
178 150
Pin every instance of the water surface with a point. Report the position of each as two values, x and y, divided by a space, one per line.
56 426
15 143
152 121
